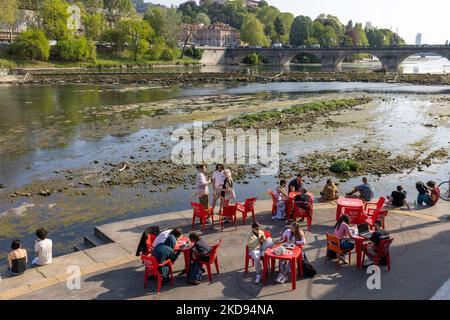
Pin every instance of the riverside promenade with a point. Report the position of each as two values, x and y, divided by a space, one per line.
420 263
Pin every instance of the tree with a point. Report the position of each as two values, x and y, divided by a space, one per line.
138 32
76 49
9 15
118 9
53 18
32 45
165 23
115 37
279 26
301 31
252 32
203 18
93 20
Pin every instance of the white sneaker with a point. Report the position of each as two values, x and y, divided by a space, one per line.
258 278
279 278
282 279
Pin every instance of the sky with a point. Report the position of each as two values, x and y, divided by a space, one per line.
408 17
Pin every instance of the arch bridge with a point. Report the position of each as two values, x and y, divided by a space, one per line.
331 57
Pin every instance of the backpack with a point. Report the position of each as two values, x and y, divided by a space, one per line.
308 268
421 188
195 271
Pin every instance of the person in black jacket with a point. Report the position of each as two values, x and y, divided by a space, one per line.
199 253
142 246
375 240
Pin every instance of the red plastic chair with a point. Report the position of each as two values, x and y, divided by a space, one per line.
299 212
247 207
151 268
377 215
381 251
378 205
212 259
228 212
356 216
201 213
274 202
248 257
334 245
150 238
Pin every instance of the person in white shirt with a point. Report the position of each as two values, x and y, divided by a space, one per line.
218 179
201 184
160 238
295 236
43 248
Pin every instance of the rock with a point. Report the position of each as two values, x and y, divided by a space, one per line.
95 161
2 186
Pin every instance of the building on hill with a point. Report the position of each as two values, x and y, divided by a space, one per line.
215 35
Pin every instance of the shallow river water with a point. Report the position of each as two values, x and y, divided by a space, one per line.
45 130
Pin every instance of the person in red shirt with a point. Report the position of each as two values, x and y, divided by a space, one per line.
435 192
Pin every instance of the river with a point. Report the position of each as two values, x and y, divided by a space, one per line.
47 131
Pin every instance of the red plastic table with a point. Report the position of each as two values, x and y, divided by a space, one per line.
294 257
359 242
348 203
186 252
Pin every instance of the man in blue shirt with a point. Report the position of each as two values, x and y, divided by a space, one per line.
366 191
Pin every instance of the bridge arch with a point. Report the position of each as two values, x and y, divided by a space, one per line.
349 54
304 57
423 53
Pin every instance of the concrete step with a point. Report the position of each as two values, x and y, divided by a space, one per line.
80 247
92 241
98 232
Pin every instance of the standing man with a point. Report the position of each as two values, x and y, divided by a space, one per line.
201 184
296 184
218 179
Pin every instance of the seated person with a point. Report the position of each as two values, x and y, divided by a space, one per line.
377 236
199 252
292 235
143 246
17 259
162 236
43 248
296 184
398 198
257 244
330 191
281 196
165 250
342 231
365 190
304 199
428 194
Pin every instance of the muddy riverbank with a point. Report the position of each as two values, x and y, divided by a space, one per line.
189 78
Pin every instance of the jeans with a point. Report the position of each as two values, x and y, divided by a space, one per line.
259 253
424 198
13 274
346 244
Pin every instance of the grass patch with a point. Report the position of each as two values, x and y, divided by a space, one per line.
249 120
107 61
341 166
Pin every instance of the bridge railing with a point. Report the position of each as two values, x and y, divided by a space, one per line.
434 46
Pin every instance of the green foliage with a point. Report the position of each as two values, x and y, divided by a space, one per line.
116 38
169 54
341 166
253 118
301 31
194 53
165 23
31 45
53 17
118 9
93 20
137 32
252 32
253 59
9 14
75 49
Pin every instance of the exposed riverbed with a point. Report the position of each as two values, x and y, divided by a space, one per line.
62 147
